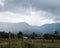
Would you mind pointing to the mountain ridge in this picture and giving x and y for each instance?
(28, 29)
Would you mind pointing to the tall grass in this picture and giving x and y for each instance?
(28, 44)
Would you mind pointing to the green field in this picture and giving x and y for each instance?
(29, 43)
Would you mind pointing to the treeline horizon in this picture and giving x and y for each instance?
(33, 35)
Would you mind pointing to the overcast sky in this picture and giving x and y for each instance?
(33, 12)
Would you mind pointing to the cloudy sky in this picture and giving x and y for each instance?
(33, 12)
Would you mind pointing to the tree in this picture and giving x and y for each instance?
(33, 35)
(56, 32)
(47, 36)
(56, 35)
(4, 35)
(20, 35)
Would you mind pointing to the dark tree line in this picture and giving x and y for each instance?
(5, 35)
(33, 35)
(11, 35)
(55, 35)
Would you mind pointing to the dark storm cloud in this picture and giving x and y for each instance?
(17, 3)
(22, 6)
(18, 6)
(46, 5)
(51, 6)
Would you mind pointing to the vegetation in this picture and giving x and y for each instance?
(33, 35)
(8, 40)
(20, 35)
(55, 36)
(28, 44)
(6, 35)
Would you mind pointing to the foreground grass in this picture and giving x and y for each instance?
(47, 45)
(29, 44)
(11, 44)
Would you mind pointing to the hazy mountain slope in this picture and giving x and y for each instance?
(27, 29)
(14, 27)
(49, 28)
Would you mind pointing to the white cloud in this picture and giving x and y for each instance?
(34, 18)
(38, 18)
(18, 8)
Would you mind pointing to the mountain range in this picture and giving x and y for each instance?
(28, 29)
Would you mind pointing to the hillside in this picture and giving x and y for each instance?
(27, 29)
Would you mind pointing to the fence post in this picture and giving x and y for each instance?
(9, 39)
(32, 41)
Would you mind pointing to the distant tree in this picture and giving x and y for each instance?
(11, 35)
(6, 35)
(20, 35)
(56, 32)
(47, 36)
(52, 36)
(33, 35)
(56, 35)
(59, 36)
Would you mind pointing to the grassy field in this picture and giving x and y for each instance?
(5, 43)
